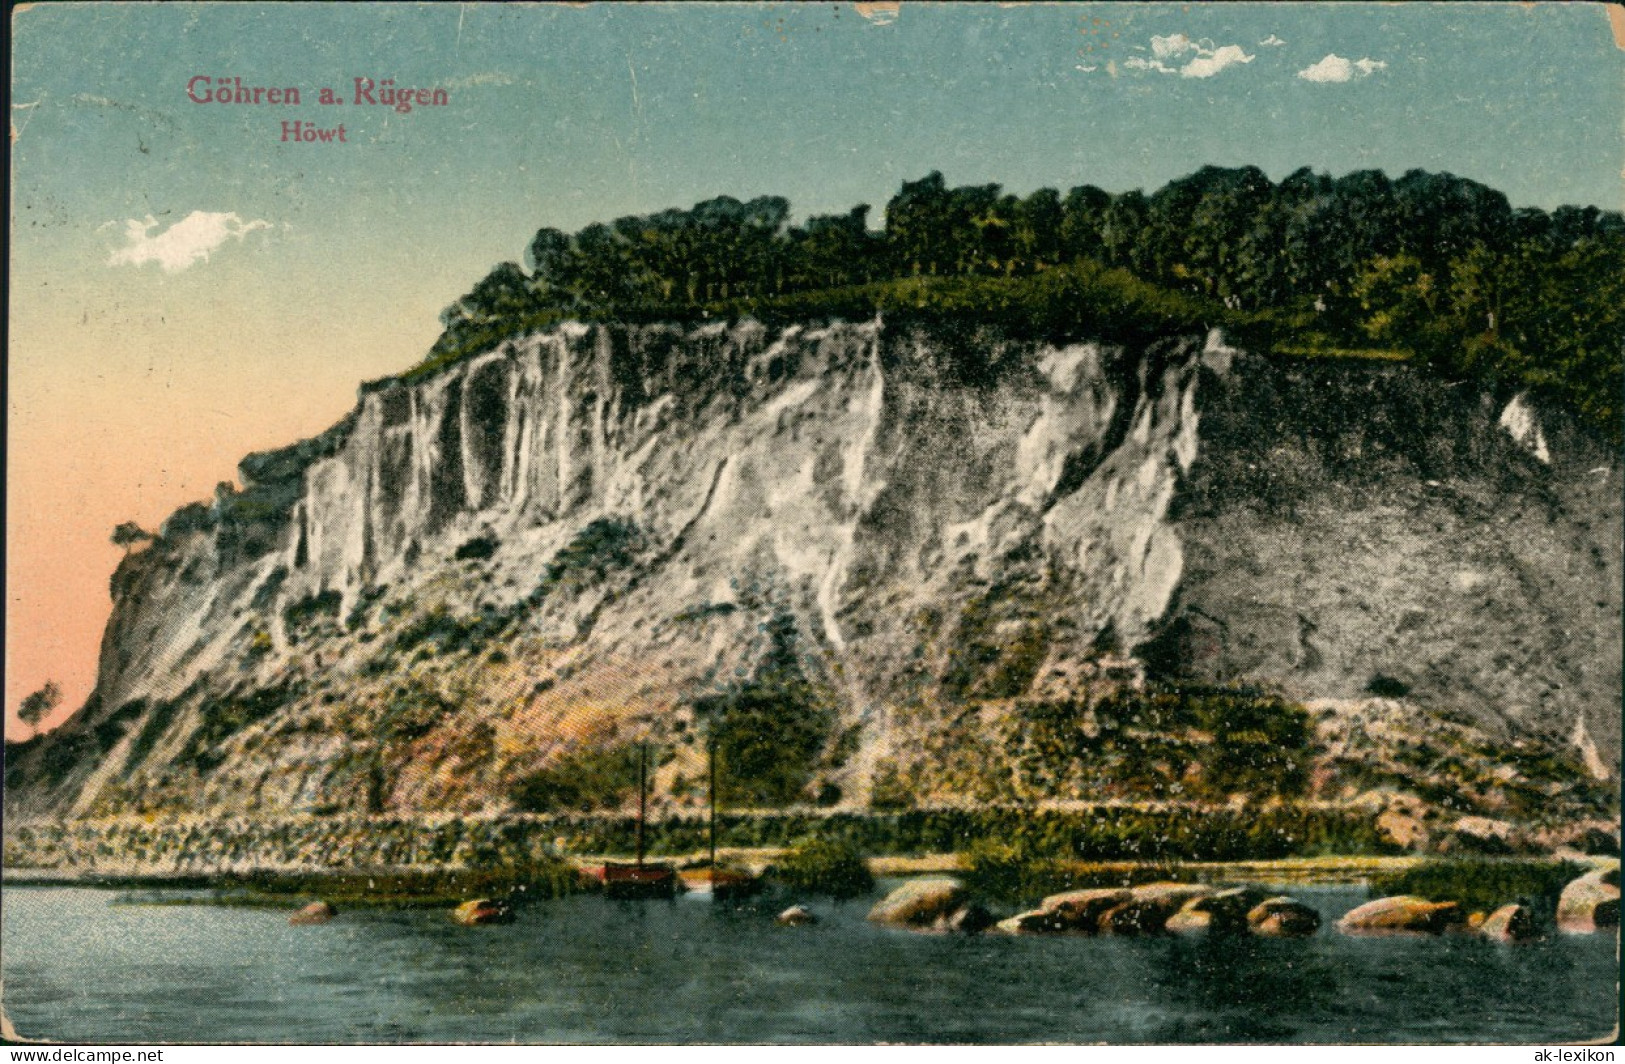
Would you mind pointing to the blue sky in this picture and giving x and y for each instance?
(568, 115)
(185, 287)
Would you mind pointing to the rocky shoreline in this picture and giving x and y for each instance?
(1587, 905)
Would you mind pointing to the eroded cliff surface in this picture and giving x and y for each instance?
(869, 536)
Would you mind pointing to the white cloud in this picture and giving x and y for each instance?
(1205, 66)
(187, 242)
(1336, 70)
(1171, 47)
(1272, 41)
(1206, 58)
(1135, 62)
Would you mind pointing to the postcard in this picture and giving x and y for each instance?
(844, 523)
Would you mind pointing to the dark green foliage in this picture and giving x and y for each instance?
(37, 706)
(1011, 875)
(413, 711)
(1483, 884)
(824, 866)
(701, 612)
(226, 716)
(767, 735)
(110, 731)
(1101, 833)
(604, 546)
(363, 602)
(581, 781)
(312, 608)
(1190, 743)
(998, 647)
(479, 548)
(127, 534)
(158, 721)
(1387, 687)
(448, 633)
(1430, 264)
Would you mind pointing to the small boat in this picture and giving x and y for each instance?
(641, 880)
(722, 882)
(635, 882)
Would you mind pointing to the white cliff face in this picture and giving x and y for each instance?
(791, 456)
(840, 475)
(578, 537)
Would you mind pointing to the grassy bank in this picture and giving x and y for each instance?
(1097, 833)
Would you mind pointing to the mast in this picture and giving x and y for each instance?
(711, 758)
(643, 794)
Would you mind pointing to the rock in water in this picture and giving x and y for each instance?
(1509, 923)
(1078, 910)
(920, 903)
(1223, 912)
(1590, 903)
(1283, 917)
(1032, 922)
(1402, 914)
(1149, 908)
(483, 911)
(1190, 922)
(317, 912)
(795, 916)
(971, 919)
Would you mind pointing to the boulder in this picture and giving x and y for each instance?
(1033, 922)
(920, 903)
(483, 911)
(1226, 910)
(1402, 914)
(1193, 922)
(1149, 908)
(1590, 903)
(317, 912)
(1283, 917)
(795, 916)
(1509, 923)
(971, 919)
(1081, 910)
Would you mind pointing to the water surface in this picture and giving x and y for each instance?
(79, 967)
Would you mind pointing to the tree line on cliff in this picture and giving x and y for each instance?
(1429, 265)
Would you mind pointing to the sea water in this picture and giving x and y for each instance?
(84, 965)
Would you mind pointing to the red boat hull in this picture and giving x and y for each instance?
(632, 881)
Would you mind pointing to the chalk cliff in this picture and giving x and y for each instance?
(599, 533)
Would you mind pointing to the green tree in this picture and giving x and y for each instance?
(1400, 301)
(37, 706)
(128, 534)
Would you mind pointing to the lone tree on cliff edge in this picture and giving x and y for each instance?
(37, 706)
(129, 534)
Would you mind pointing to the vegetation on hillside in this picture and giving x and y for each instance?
(1427, 265)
